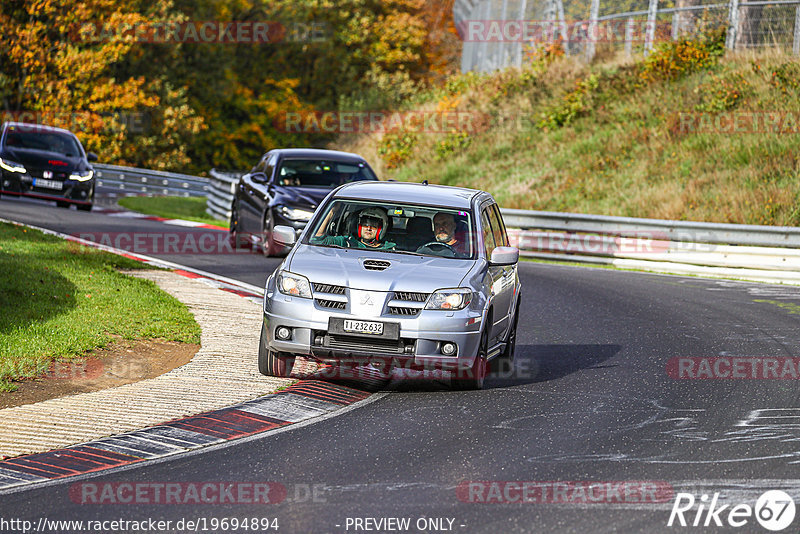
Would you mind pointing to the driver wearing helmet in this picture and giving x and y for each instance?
(373, 223)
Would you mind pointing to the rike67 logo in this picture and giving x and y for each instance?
(774, 510)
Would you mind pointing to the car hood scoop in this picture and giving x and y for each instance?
(377, 271)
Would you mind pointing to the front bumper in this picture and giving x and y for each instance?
(419, 344)
(12, 183)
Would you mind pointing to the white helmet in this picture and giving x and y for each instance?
(376, 213)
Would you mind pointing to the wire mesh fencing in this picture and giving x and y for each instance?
(500, 33)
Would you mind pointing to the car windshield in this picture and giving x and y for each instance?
(320, 173)
(42, 140)
(398, 228)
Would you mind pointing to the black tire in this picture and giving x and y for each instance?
(85, 207)
(235, 237)
(62, 204)
(267, 243)
(271, 363)
(473, 377)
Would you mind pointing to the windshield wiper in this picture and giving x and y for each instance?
(407, 252)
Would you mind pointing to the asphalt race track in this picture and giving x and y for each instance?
(591, 399)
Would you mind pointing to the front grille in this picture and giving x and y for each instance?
(363, 344)
(329, 288)
(332, 304)
(411, 297)
(376, 265)
(399, 310)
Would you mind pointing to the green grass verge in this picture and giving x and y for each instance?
(608, 138)
(59, 300)
(186, 208)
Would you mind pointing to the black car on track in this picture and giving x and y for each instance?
(46, 162)
(285, 188)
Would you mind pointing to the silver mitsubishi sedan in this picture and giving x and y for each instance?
(394, 274)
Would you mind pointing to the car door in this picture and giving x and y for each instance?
(510, 272)
(499, 292)
(251, 206)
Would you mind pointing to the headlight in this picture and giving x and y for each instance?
(449, 299)
(295, 214)
(11, 166)
(294, 285)
(82, 176)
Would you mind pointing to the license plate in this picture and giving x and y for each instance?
(49, 184)
(363, 327)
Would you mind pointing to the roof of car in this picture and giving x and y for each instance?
(410, 192)
(318, 153)
(34, 126)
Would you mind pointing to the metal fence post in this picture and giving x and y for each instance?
(483, 47)
(522, 8)
(590, 42)
(502, 47)
(796, 41)
(652, 13)
(562, 25)
(733, 25)
(676, 24)
(629, 36)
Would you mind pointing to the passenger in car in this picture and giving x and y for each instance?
(444, 229)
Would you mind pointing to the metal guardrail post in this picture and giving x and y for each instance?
(796, 40)
(592, 37)
(733, 25)
(652, 13)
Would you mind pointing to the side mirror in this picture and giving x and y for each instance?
(284, 235)
(504, 256)
(259, 177)
(91, 156)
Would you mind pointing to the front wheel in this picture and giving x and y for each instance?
(62, 204)
(270, 362)
(235, 229)
(473, 377)
(85, 207)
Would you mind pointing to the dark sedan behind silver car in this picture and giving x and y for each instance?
(419, 276)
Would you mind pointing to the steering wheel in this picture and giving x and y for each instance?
(444, 246)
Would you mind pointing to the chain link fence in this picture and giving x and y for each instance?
(500, 33)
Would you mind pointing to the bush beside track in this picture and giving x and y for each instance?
(59, 299)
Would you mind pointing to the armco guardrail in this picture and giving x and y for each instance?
(764, 253)
(220, 195)
(147, 181)
(699, 232)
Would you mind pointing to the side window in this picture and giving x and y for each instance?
(499, 229)
(270, 167)
(488, 235)
(261, 164)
